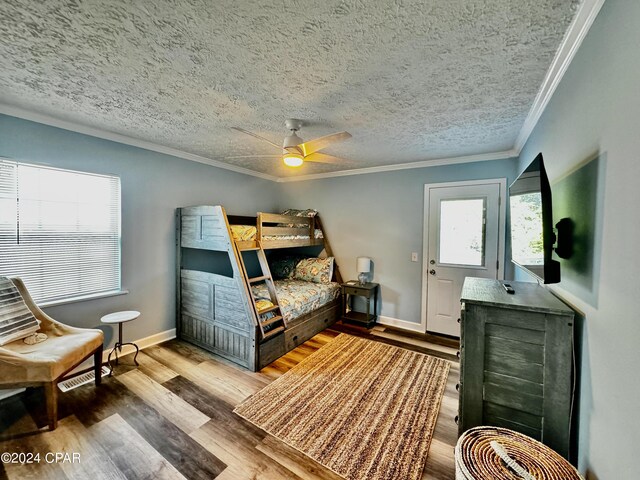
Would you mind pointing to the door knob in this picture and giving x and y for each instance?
(432, 262)
(432, 272)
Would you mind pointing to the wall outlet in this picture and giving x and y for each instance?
(414, 256)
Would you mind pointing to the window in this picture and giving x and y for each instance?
(462, 231)
(59, 230)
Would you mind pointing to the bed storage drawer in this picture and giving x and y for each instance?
(308, 327)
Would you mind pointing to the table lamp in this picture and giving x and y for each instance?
(363, 267)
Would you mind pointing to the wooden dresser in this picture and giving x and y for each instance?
(516, 361)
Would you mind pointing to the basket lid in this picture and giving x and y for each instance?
(495, 453)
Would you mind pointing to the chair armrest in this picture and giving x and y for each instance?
(45, 319)
(47, 324)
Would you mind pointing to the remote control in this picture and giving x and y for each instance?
(508, 288)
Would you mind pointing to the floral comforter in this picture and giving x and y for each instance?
(297, 297)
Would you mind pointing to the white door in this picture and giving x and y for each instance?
(464, 232)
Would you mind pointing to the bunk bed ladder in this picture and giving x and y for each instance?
(270, 320)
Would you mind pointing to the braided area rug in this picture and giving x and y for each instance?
(363, 409)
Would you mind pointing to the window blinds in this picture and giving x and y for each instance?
(59, 230)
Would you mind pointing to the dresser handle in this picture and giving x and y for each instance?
(458, 320)
(457, 387)
(456, 419)
(458, 354)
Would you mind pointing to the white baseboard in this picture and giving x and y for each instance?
(143, 343)
(127, 349)
(396, 322)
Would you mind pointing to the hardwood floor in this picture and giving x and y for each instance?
(173, 418)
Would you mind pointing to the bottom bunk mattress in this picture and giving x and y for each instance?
(297, 297)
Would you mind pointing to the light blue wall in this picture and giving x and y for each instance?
(153, 185)
(594, 116)
(380, 215)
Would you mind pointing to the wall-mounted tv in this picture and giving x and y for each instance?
(532, 234)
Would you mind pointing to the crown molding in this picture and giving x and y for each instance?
(587, 12)
(134, 142)
(116, 137)
(482, 157)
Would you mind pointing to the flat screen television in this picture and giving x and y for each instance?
(532, 233)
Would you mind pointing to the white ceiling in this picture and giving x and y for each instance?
(411, 80)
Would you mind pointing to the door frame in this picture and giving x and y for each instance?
(502, 209)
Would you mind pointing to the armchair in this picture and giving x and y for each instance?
(45, 363)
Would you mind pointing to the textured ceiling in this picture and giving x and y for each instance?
(411, 80)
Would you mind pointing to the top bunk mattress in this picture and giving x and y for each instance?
(297, 297)
(244, 233)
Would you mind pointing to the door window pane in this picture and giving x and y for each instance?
(462, 232)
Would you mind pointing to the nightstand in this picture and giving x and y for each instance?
(368, 290)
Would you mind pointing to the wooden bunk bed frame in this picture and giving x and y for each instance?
(270, 226)
(217, 311)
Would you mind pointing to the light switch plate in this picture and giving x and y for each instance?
(414, 256)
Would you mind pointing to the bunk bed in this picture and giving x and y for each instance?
(228, 301)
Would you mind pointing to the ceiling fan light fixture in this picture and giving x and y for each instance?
(293, 159)
(295, 151)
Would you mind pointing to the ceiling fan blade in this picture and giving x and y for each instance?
(313, 146)
(254, 156)
(279, 147)
(323, 158)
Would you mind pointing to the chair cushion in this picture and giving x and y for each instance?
(47, 361)
(16, 320)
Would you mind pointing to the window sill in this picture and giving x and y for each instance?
(95, 296)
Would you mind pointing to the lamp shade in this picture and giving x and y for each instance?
(363, 264)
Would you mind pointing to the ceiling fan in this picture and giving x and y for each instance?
(294, 150)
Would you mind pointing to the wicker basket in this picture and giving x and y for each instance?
(493, 453)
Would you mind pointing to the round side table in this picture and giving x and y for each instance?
(120, 318)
